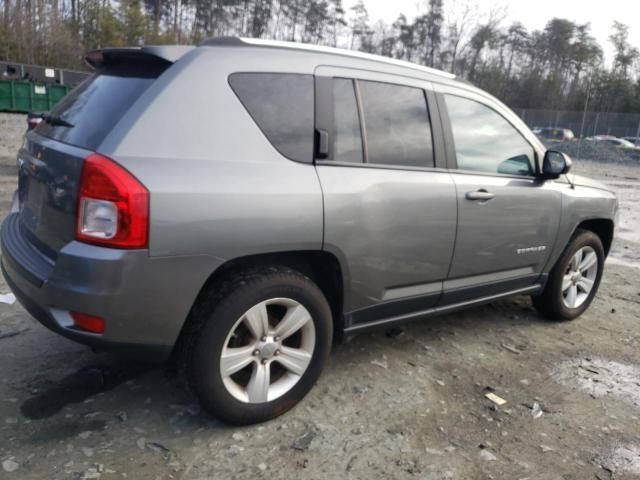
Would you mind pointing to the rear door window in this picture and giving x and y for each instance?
(282, 106)
(95, 106)
(397, 126)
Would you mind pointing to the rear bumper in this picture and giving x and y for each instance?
(144, 300)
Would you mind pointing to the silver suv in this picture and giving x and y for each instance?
(242, 204)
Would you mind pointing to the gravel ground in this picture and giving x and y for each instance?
(408, 403)
(12, 127)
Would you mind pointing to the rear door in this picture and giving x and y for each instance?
(390, 210)
(51, 160)
(507, 217)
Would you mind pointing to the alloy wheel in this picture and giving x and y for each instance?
(580, 277)
(268, 350)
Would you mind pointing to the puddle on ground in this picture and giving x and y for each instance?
(622, 459)
(624, 261)
(601, 378)
(607, 379)
(77, 387)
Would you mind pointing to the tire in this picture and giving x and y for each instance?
(231, 319)
(556, 303)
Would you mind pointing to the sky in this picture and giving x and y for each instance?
(533, 14)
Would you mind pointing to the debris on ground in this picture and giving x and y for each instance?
(495, 398)
(511, 348)
(10, 466)
(159, 448)
(536, 410)
(380, 363)
(303, 441)
(13, 333)
(358, 390)
(487, 455)
(8, 298)
(91, 474)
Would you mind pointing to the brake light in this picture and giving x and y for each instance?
(88, 323)
(33, 122)
(113, 206)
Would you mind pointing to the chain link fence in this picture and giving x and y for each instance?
(584, 124)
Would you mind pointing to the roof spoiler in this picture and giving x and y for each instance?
(162, 54)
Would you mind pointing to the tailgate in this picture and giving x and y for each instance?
(47, 190)
(50, 163)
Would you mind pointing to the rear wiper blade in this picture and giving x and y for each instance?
(56, 120)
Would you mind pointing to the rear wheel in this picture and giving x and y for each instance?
(574, 280)
(261, 347)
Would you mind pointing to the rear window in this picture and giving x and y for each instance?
(282, 106)
(96, 106)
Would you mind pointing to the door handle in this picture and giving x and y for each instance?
(323, 144)
(481, 194)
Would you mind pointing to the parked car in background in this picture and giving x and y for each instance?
(634, 140)
(558, 134)
(614, 141)
(320, 193)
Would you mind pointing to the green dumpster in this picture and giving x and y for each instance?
(18, 96)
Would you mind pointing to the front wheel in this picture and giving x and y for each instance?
(262, 346)
(574, 280)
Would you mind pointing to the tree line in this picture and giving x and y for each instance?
(556, 67)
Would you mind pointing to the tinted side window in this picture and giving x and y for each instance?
(282, 106)
(347, 138)
(485, 141)
(397, 125)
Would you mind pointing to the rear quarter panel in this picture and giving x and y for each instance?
(217, 186)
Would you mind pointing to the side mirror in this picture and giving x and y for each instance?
(555, 164)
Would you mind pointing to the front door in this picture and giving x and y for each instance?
(507, 219)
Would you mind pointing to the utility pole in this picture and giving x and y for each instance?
(584, 114)
(586, 107)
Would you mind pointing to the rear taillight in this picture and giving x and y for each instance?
(113, 206)
(33, 122)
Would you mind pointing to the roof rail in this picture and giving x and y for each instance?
(256, 42)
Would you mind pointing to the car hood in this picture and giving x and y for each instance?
(588, 182)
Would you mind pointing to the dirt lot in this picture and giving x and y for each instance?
(12, 127)
(406, 404)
